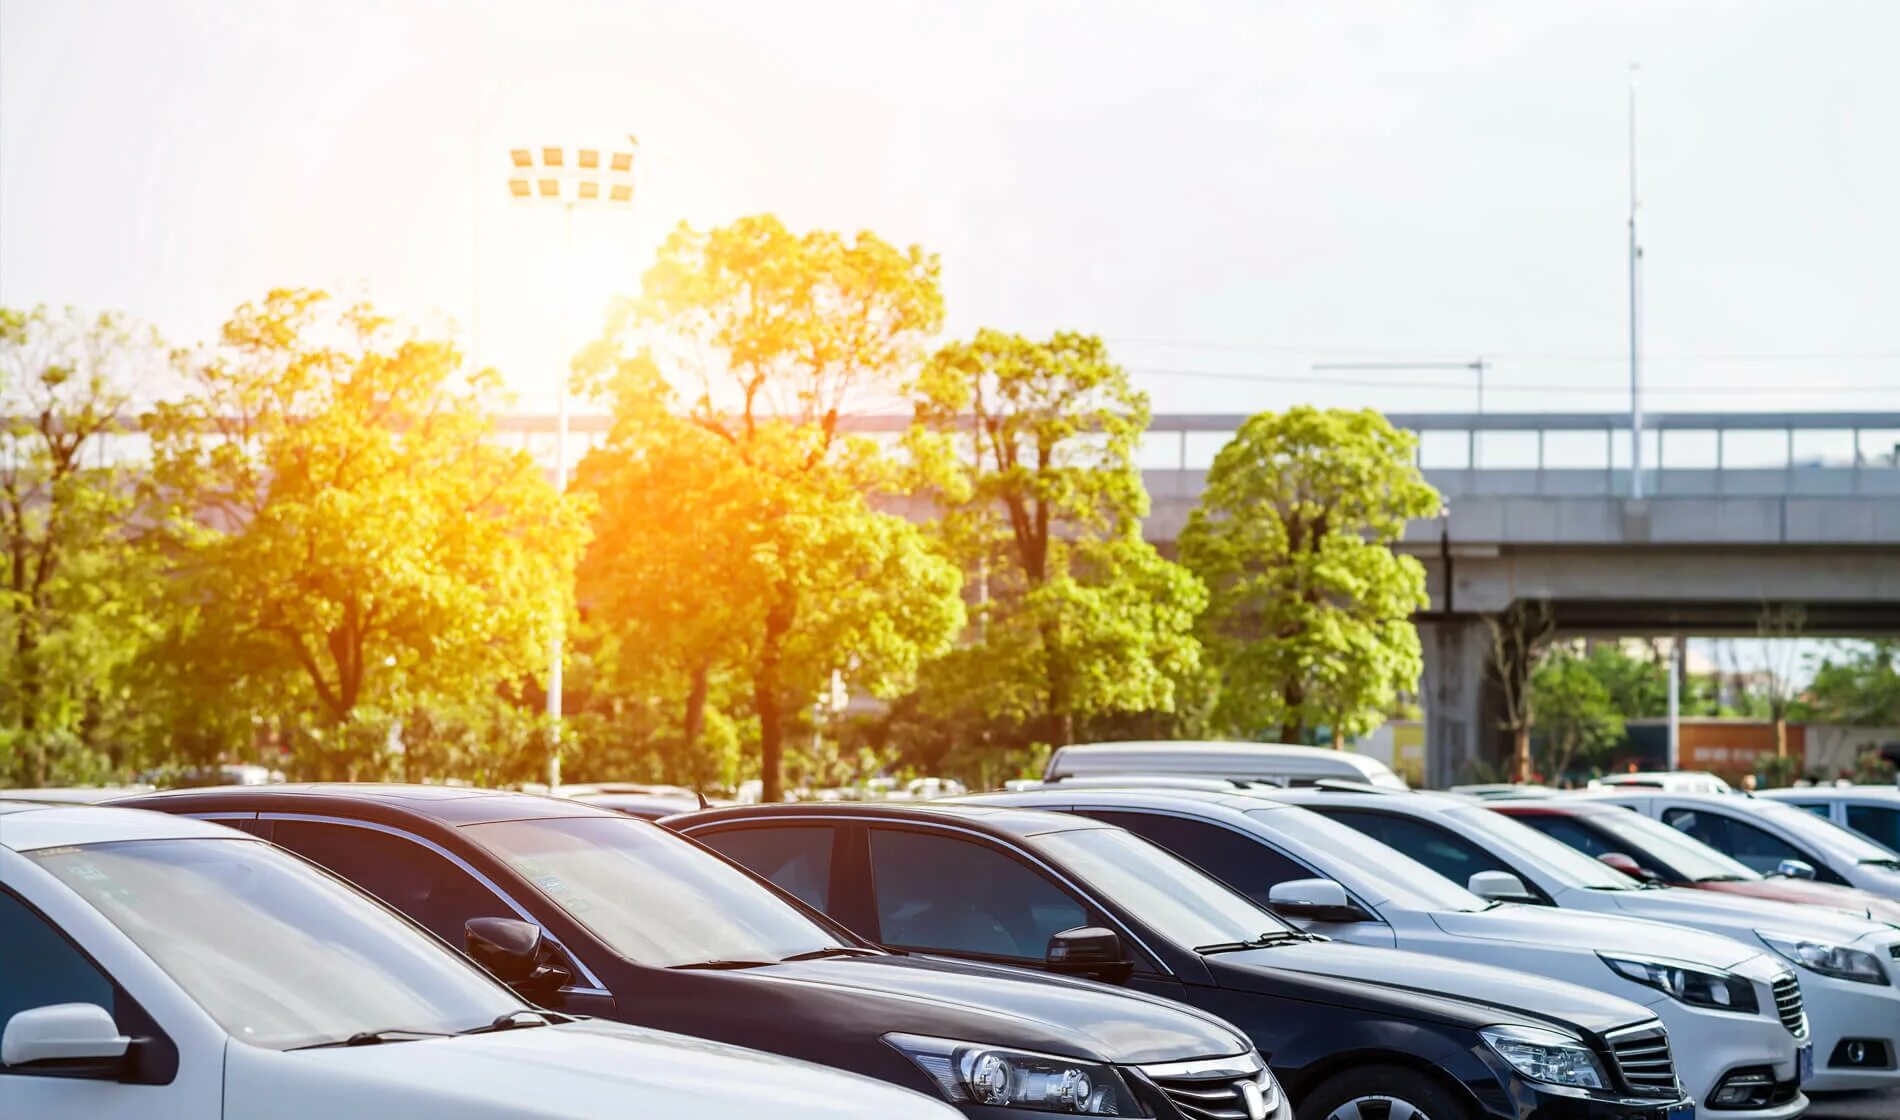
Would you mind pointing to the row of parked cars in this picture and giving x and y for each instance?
(1206, 945)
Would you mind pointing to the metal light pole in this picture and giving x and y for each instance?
(569, 178)
(1636, 259)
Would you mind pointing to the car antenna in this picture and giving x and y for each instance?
(703, 803)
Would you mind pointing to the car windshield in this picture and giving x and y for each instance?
(1524, 844)
(1851, 847)
(1172, 897)
(1695, 861)
(279, 953)
(653, 897)
(1364, 865)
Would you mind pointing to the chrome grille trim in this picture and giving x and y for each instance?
(1644, 1060)
(1788, 1005)
(1236, 1088)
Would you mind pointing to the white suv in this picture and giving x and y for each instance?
(154, 967)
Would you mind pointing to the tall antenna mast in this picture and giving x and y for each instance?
(1636, 368)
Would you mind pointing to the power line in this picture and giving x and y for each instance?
(1307, 379)
(1421, 354)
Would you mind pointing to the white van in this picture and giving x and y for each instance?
(1274, 763)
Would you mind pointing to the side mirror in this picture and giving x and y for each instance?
(1320, 900)
(1629, 866)
(1499, 886)
(1795, 869)
(79, 1036)
(515, 952)
(1089, 951)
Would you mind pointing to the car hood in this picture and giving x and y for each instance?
(1848, 900)
(576, 1069)
(1413, 985)
(1549, 928)
(999, 1005)
(1737, 917)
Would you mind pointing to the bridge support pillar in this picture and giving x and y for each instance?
(1452, 693)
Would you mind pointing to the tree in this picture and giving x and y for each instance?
(1575, 710)
(1520, 638)
(781, 335)
(1858, 684)
(1778, 626)
(1030, 447)
(344, 520)
(76, 588)
(1310, 614)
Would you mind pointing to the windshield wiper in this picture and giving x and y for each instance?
(1274, 937)
(374, 1038)
(1886, 864)
(1721, 879)
(513, 1021)
(725, 965)
(834, 951)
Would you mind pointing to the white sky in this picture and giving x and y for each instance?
(1263, 184)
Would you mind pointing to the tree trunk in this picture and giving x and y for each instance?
(766, 696)
(1292, 727)
(693, 720)
(1781, 733)
(1521, 753)
(1339, 736)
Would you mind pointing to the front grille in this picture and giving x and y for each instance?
(1643, 1058)
(1238, 1088)
(1788, 1005)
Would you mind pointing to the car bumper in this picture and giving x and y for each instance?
(1709, 1046)
(1843, 1013)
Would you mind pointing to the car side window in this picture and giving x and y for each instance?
(796, 859)
(1445, 852)
(1818, 808)
(1760, 851)
(409, 877)
(41, 967)
(1881, 825)
(1247, 865)
(948, 894)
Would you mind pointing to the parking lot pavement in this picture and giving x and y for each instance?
(1884, 1105)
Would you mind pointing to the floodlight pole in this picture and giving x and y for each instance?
(556, 641)
(1636, 263)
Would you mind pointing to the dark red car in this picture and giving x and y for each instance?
(1649, 849)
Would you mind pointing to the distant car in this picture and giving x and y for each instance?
(76, 795)
(1872, 811)
(1675, 781)
(157, 968)
(1270, 762)
(1352, 1032)
(1495, 791)
(1772, 836)
(646, 806)
(1648, 849)
(638, 923)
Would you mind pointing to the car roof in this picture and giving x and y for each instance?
(1417, 801)
(1132, 794)
(994, 819)
(453, 806)
(1574, 806)
(1845, 793)
(31, 825)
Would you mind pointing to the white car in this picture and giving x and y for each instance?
(1872, 811)
(1275, 763)
(155, 967)
(1771, 836)
(1329, 879)
(1675, 781)
(1847, 965)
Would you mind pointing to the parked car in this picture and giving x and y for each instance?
(1872, 811)
(1772, 836)
(1675, 781)
(1349, 1031)
(1270, 762)
(158, 968)
(1496, 791)
(639, 924)
(646, 802)
(1845, 964)
(1647, 849)
(1327, 878)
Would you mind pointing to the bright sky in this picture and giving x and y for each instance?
(1239, 188)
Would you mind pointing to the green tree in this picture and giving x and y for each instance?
(779, 336)
(1030, 446)
(1310, 617)
(350, 538)
(1856, 683)
(77, 589)
(1575, 711)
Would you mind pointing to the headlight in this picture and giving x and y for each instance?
(1545, 1056)
(1829, 960)
(1699, 987)
(1005, 1078)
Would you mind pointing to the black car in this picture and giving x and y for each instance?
(1352, 1033)
(593, 912)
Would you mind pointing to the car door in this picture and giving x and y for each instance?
(959, 894)
(437, 891)
(1433, 845)
(1879, 823)
(1246, 863)
(806, 860)
(1749, 844)
(42, 964)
